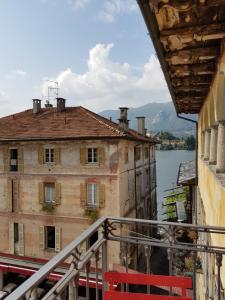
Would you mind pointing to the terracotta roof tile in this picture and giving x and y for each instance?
(73, 123)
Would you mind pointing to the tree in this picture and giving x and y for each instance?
(190, 142)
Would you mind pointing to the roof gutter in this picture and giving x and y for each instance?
(152, 26)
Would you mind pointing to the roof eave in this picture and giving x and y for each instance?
(152, 26)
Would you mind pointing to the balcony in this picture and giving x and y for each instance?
(134, 259)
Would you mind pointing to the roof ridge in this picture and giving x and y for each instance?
(92, 114)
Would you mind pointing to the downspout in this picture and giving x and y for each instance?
(196, 182)
(196, 157)
(135, 191)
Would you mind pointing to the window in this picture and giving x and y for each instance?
(92, 155)
(16, 232)
(146, 153)
(92, 194)
(13, 160)
(50, 237)
(126, 155)
(138, 153)
(50, 155)
(49, 193)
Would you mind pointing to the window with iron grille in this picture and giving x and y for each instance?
(50, 155)
(92, 194)
(92, 155)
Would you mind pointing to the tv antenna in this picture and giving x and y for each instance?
(53, 90)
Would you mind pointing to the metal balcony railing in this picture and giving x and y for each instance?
(132, 246)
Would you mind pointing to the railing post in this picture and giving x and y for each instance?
(219, 258)
(104, 257)
(71, 290)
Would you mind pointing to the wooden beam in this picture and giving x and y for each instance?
(192, 81)
(192, 93)
(206, 32)
(189, 88)
(178, 38)
(192, 70)
(191, 56)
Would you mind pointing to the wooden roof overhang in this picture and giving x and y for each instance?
(187, 37)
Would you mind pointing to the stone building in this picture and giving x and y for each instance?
(60, 169)
(189, 40)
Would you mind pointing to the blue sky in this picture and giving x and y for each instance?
(98, 51)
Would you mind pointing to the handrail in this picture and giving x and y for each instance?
(46, 269)
(111, 231)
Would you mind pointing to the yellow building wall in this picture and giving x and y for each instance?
(211, 185)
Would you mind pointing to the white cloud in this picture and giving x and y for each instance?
(15, 74)
(78, 3)
(20, 73)
(108, 84)
(112, 8)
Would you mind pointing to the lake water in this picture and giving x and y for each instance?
(167, 166)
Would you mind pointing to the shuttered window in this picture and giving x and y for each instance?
(92, 155)
(50, 193)
(92, 194)
(50, 238)
(50, 155)
(16, 238)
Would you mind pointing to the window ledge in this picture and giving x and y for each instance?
(92, 207)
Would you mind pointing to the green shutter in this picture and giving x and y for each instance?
(57, 193)
(83, 194)
(20, 159)
(57, 156)
(42, 237)
(41, 154)
(82, 156)
(57, 239)
(21, 239)
(41, 193)
(101, 195)
(11, 238)
(101, 155)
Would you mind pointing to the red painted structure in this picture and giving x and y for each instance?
(114, 279)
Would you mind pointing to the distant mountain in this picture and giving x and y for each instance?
(159, 117)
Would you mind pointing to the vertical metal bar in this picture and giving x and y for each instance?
(126, 258)
(76, 283)
(148, 270)
(96, 275)
(87, 281)
(169, 252)
(219, 258)
(194, 256)
(104, 267)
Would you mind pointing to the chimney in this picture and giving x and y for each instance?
(123, 122)
(36, 106)
(61, 104)
(141, 125)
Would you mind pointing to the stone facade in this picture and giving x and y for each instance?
(29, 218)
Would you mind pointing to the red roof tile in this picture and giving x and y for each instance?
(73, 123)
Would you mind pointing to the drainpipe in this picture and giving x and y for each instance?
(135, 188)
(196, 181)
